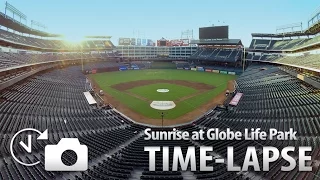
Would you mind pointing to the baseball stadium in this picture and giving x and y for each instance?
(105, 91)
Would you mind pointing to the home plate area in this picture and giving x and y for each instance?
(162, 105)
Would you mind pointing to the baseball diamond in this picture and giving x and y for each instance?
(193, 92)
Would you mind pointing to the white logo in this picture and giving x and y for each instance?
(28, 148)
(53, 154)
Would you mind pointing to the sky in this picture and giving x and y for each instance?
(166, 18)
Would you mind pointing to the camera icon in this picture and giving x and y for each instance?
(53, 155)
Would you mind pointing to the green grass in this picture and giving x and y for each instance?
(106, 80)
(175, 91)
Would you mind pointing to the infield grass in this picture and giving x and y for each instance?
(106, 80)
(175, 91)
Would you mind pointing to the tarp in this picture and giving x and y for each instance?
(235, 100)
(89, 98)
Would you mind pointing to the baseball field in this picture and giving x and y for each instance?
(133, 91)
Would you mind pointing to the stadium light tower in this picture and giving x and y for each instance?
(187, 34)
(14, 11)
(38, 24)
(293, 27)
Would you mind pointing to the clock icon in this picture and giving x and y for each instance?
(43, 136)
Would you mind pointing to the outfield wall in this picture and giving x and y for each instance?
(210, 70)
(164, 65)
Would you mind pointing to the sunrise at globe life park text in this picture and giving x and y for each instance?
(269, 154)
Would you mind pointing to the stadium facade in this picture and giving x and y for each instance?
(150, 52)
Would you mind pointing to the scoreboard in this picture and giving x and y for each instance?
(179, 42)
(215, 32)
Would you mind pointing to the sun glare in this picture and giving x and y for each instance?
(73, 39)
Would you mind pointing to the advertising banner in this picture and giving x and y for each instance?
(215, 71)
(193, 69)
(200, 68)
(143, 42)
(124, 41)
(208, 70)
(176, 42)
(186, 68)
(185, 42)
(133, 41)
(223, 72)
(232, 73)
(150, 42)
(123, 68)
(138, 42)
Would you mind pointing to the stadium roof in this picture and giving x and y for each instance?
(13, 24)
(281, 35)
(315, 28)
(217, 42)
(98, 37)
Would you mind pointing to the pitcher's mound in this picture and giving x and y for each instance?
(162, 90)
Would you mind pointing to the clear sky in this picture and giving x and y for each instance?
(155, 19)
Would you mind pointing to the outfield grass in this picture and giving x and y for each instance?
(106, 80)
(175, 91)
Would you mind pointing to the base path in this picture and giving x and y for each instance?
(190, 116)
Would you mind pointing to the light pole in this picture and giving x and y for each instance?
(162, 115)
(244, 58)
